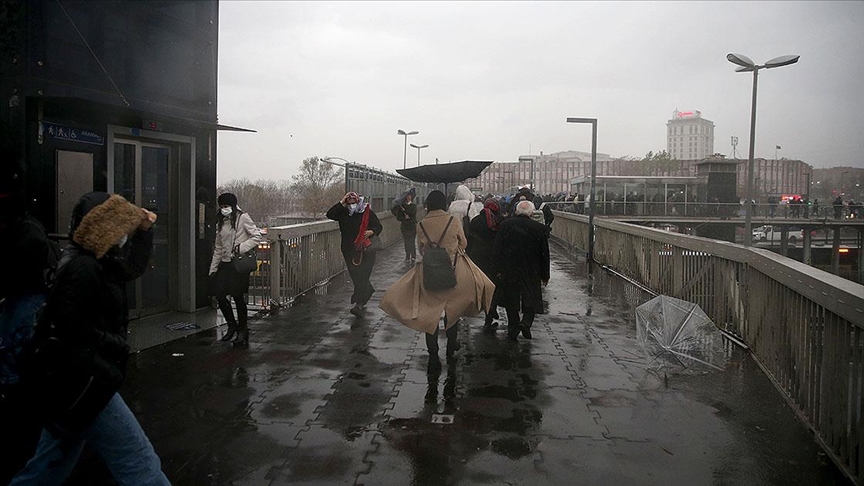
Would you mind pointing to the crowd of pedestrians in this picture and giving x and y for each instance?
(64, 320)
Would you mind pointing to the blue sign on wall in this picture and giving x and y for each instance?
(68, 133)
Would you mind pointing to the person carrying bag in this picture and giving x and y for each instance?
(413, 300)
(438, 273)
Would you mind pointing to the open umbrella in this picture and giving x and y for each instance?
(401, 199)
(677, 335)
(446, 173)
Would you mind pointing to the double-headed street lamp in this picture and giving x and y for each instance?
(418, 147)
(593, 122)
(746, 66)
(405, 154)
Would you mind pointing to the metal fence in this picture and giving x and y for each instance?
(709, 210)
(298, 258)
(382, 187)
(804, 326)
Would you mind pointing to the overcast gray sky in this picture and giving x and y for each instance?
(488, 80)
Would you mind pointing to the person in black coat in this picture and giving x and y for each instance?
(31, 259)
(521, 256)
(406, 213)
(350, 213)
(481, 241)
(80, 351)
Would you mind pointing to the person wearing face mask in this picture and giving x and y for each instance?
(237, 235)
(357, 223)
(79, 354)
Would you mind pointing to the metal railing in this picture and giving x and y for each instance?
(306, 256)
(804, 326)
(708, 210)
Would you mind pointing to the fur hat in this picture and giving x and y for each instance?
(99, 220)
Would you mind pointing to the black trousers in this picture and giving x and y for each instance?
(360, 274)
(432, 339)
(227, 282)
(513, 321)
(410, 245)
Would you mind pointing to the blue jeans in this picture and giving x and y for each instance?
(17, 321)
(115, 435)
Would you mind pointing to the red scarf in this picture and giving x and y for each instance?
(492, 216)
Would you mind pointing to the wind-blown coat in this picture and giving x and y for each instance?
(415, 307)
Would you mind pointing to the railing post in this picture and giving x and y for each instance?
(276, 271)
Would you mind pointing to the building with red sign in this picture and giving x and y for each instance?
(689, 136)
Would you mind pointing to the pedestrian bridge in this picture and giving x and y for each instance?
(321, 397)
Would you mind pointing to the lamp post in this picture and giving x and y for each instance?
(746, 66)
(327, 160)
(593, 122)
(418, 147)
(405, 134)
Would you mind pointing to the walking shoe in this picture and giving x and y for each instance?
(357, 310)
(242, 339)
(526, 331)
(513, 335)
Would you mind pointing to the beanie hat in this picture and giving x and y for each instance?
(436, 200)
(226, 198)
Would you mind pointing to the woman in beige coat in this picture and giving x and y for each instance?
(417, 308)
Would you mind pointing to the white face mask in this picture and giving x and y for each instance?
(226, 211)
(122, 241)
(409, 202)
(352, 207)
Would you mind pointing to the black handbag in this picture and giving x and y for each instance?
(438, 272)
(245, 262)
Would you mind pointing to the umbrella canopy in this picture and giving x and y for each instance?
(446, 173)
(401, 199)
(676, 334)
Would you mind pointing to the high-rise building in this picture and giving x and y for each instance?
(689, 136)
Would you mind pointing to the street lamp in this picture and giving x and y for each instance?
(593, 122)
(327, 160)
(418, 147)
(405, 154)
(748, 65)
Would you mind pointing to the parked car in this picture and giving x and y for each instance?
(774, 233)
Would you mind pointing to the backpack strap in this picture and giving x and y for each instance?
(444, 233)
(425, 233)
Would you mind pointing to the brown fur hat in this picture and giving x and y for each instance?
(104, 224)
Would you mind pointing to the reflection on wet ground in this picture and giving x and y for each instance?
(321, 398)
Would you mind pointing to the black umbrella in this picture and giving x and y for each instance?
(446, 173)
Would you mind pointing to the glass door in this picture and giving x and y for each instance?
(142, 175)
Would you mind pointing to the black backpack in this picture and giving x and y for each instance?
(438, 273)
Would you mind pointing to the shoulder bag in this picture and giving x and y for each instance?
(244, 262)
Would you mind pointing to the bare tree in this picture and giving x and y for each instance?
(316, 187)
(261, 199)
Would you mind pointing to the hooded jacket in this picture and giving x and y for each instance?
(461, 206)
(87, 309)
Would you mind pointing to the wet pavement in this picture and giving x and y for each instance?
(321, 397)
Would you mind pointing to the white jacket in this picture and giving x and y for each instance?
(247, 235)
(461, 206)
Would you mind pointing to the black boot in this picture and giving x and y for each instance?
(232, 331)
(242, 339)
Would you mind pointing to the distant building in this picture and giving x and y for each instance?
(548, 174)
(775, 178)
(689, 136)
